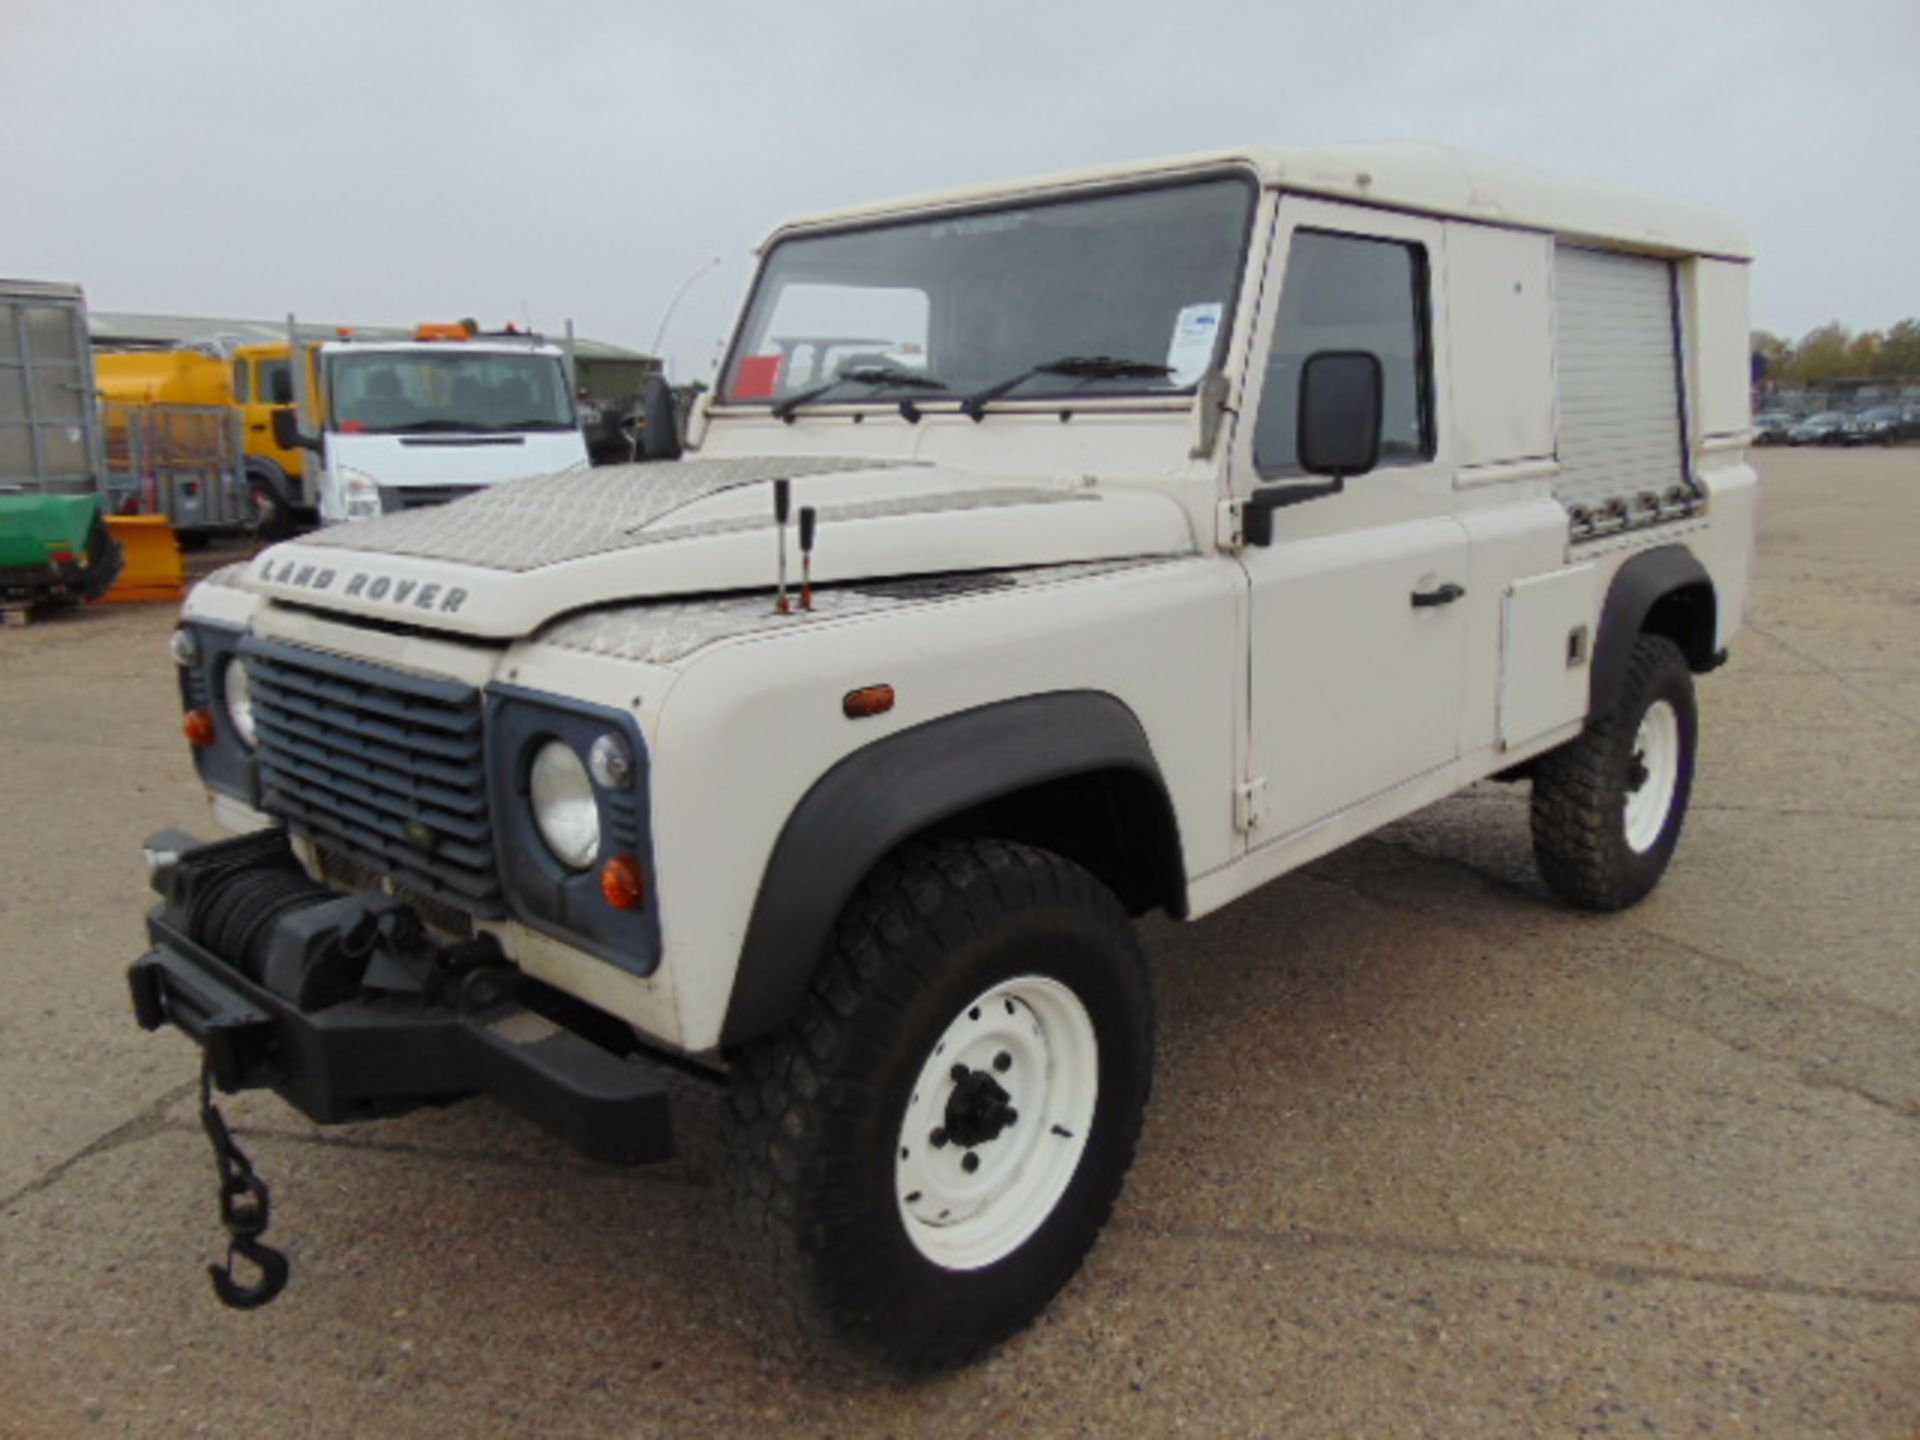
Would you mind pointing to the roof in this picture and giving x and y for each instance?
(488, 344)
(38, 289)
(1432, 179)
(110, 328)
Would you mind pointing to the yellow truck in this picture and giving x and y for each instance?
(190, 387)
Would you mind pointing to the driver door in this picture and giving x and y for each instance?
(1358, 653)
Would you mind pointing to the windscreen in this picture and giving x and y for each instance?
(395, 391)
(966, 301)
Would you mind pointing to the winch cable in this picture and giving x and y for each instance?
(244, 1209)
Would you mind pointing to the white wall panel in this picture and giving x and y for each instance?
(1502, 339)
(1722, 347)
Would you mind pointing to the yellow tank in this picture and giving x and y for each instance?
(163, 377)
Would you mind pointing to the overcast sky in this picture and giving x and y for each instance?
(391, 160)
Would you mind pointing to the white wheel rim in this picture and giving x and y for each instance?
(1654, 775)
(1026, 1045)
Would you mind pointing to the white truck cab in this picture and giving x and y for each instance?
(1048, 554)
(404, 424)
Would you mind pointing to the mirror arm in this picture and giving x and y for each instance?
(660, 420)
(287, 431)
(1258, 523)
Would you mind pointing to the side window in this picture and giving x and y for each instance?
(276, 382)
(242, 382)
(1346, 293)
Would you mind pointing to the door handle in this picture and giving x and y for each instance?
(257, 426)
(1445, 595)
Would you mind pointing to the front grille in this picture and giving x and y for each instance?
(343, 872)
(386, 768)
(437, 914)
(419, 497)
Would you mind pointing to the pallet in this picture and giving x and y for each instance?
(18, 609)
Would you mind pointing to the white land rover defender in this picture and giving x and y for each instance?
(1048, 554)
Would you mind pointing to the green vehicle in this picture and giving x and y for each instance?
(54, 551)
(55, 547)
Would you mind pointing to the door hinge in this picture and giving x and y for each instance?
(1250, 804)
(1230, 525)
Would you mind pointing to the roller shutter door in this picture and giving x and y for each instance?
(1618, 373)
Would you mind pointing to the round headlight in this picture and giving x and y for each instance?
(185, 647)
(239, 697)
(564, 810)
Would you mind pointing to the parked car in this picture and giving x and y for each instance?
(1771, 427)
(1903, 419)
(1826, 428)
(1878, 426)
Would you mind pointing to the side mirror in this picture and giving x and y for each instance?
(660, 419)
(1341, 400)
(1337, 434)
(287, 433)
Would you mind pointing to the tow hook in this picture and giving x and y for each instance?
(244, 1209)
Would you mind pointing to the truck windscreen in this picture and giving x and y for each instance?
(1147, 276)
(394, 391)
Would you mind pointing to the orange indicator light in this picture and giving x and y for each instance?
(622, 883)
(867, 700)
(198, 726)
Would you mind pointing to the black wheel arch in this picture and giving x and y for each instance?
(269, 473)
(1068, 771)
(1665, 591)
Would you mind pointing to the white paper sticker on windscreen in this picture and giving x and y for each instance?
(1190, 351)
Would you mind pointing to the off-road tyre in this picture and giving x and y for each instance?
(819, 1111)
(1593, 849)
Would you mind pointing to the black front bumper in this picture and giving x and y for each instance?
(378, 1044)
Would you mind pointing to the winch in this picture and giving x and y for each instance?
(349, 1008)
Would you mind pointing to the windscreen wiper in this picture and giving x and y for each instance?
(871, 375)
(1074, 367)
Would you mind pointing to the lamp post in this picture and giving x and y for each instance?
(674, 304)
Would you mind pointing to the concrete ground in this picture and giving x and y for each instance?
(1430, 1155)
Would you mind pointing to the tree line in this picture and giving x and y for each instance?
(1833, 352)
